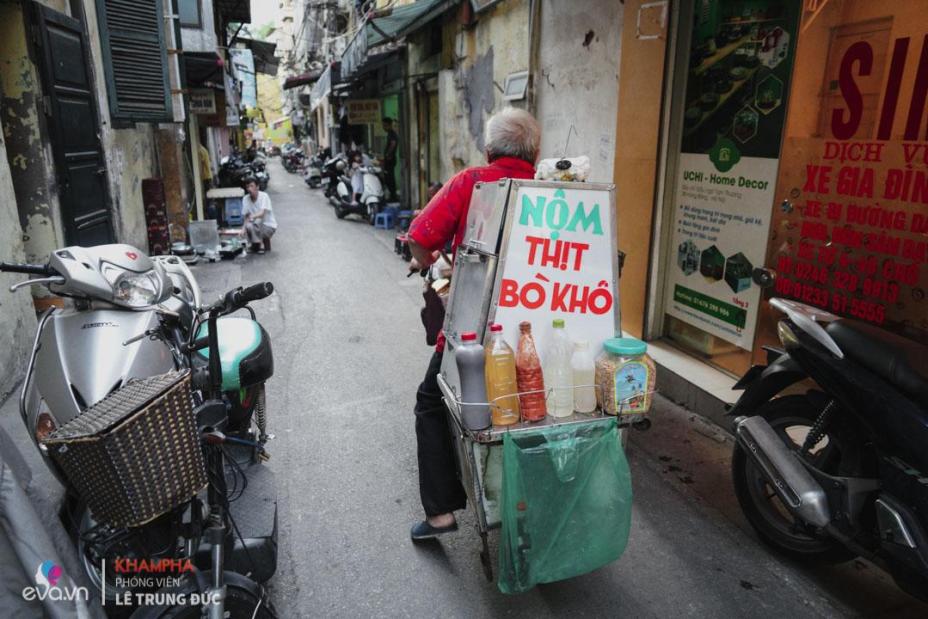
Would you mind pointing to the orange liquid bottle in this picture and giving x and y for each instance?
(529, 376)
(502, 386)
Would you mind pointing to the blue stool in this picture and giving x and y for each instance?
(384, 220)
(233, 212)
(402, 219)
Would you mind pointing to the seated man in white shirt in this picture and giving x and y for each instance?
(260, 223)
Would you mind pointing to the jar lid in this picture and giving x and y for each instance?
(626, 346)
(558, 323)
(469, 336)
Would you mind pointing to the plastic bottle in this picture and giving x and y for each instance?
(475, 414)
(584, 373)
(501, 381)
(529, 376)
(558, 372)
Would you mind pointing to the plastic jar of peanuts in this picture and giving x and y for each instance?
(625, 375)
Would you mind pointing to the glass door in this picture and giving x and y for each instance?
(732, 101)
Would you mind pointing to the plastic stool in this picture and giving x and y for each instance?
(403, 218)
(383, 221)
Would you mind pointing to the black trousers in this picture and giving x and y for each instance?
(389, 178)
(439, 486)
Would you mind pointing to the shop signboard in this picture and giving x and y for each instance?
(726, 172)
(559, 261)
(202, 101)
(244, 64)
(852, 237)
(363, 111)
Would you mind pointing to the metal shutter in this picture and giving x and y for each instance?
(135, 59)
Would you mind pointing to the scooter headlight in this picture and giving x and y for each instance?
(137, 289)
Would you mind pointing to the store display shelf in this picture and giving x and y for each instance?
(721, 54)
(736, 86)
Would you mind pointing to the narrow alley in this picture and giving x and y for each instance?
(349, 353)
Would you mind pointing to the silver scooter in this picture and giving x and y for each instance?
(91, 348)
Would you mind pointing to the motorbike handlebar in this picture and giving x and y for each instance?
(29, 269)
(241, 297)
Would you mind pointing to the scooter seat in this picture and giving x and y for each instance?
(894, 358)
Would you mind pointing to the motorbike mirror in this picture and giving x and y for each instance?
(764, 277)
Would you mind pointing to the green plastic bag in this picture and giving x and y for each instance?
(566, 504)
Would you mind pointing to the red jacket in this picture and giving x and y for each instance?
(445, 216)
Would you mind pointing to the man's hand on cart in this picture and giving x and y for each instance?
(415, 265)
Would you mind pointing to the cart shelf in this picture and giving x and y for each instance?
(495, 434)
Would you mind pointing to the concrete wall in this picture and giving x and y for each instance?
(17, 318)
(576, 80)
(202, 39)
(27, 150)
(482, 57)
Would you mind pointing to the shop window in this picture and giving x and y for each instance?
(189, 13)
(135, 60)
(732, 110)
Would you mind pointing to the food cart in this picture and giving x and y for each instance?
(532, 250)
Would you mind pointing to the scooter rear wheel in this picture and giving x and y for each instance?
(791, 417)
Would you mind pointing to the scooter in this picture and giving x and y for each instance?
(332, 169)
(129, 316)
(312, 171)
(838, 469)
(293, 161)
(371, 200)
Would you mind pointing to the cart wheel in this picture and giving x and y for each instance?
(485, 558)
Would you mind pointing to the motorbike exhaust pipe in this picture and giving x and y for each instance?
(798, 490)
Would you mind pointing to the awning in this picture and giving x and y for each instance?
(202, 69)
(263, 52)
(323, 87)
(389, 25)
(303, 79)
(234, 10)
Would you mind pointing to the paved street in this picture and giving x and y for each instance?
(350, 350)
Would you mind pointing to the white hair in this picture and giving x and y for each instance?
(512, 132)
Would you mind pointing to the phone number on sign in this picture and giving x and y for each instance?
(833, 301)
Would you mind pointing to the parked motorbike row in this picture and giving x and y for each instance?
(353, 183)
(235, 168)
(130, 317)
(830, 461)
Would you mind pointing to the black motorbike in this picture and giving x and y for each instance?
(293, 161)
(332, 169)
(233, 170)
(831, 460)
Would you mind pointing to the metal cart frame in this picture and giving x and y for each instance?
(465, 442)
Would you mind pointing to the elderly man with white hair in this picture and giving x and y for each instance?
(512, 141)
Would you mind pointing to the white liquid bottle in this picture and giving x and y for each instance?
(584, 374)
(558, 373)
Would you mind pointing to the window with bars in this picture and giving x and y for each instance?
(135, 60)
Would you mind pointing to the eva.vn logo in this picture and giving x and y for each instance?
(48, 576)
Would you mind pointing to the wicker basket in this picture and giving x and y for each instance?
(135, 454)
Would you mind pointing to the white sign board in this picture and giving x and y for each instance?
(560, 261)
(719, 235)
(202, 101)
(363, 111)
